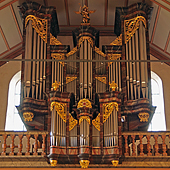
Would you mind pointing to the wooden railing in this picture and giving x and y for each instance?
(23, 143)
(146, 143)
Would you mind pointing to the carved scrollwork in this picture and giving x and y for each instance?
(61, 109)
(74, 50)
(107, 109)
(28, 116)
(102, 79)
(96, 122)
(89, 39)
(117, 41)
(98, 51)
(40, 26)
(143, 117)
(84, 117)
(113, 57)
(84, 103)
(70, 79)
(58, 56)
(72, 122)
(131, 25)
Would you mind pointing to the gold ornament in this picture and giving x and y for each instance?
(113, 57)
(115, 162)
(89, 39)
(53, 162)
(61, 109)
(28, 116)
(131, 25)
(40, 26)
(56, 85)
(84, 11)
(74, 50)
(102, 79)
(113, 85)
(84, 117)
(143, 117)
(107, 109)
(58, 56)
(70, 79)
(84, 103)
(117, 41)
(84, 163)
(96, 122)
(72, 122)
(99, 52)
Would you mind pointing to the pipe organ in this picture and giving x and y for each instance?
(85, 97)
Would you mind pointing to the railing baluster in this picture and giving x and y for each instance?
(35, 145)
(164, 145)
(156, 145)
(141, 145)
(12, 145)
(148, 145)
(4, 145)
(20, 145)
(126, 145)
(133, 145)
(28, 145)
(43, 145)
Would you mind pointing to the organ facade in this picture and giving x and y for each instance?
(85, 97)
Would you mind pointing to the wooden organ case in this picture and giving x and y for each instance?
(87, 100)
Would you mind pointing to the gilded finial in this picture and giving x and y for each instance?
(115, 162)
(84, 163)
(84, 11)
(53, 162)
(113, 85)
(56, 85)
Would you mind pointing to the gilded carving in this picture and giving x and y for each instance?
(84, 11)
(115, 162)
(40, 26)
(74, 50)
(58, 56)
(96, 122)
(107, 109)
(143, 117)
(56, 85)
(102, 79)
(113, 85)
(84, 117)
(98, 51)
(131, 25)
(70, 79)
(113, 57)
(28, 116)
(89, 39)
(72, 122)
(61, 109)
(84, 103)
(53, 162)
(117, 41)
(84, 163)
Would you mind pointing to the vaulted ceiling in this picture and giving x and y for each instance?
(103, 19)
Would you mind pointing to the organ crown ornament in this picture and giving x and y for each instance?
(85, 14)
(113, 85)
(56, 85)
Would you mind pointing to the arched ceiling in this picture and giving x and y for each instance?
(102, 19)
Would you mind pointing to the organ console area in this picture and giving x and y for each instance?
(85, 96)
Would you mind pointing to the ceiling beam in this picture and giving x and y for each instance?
(4, 38)
(126, 3)
(45, 2)
(12, 55)
(155, 24)
(86, 2)
(160, 5)
(106, 12)
(67, 13)
(166, 2)
(158, 55)
(4, 6)
(16, 21)
(167, 42)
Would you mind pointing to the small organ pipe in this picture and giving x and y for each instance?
(127, 72)
(85, 68)
(44, 70)
(41, 69)
(37, 70)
